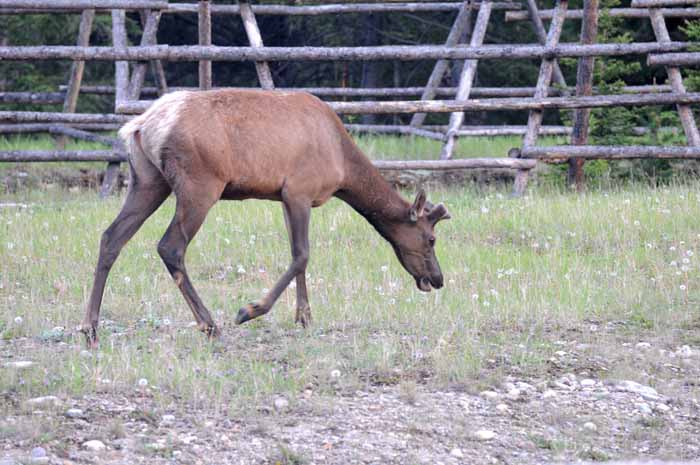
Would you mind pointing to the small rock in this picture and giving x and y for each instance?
(456, 452)
(549, 393)
(42, 402)
(85, 354)
(514, 394)
(686, 352)
(484, 435)
(491, 395)
(643, 345)
(644, 408)
(74, 413)
(523, 386)
(281, 404)
(167, 418)
(20, 365)
(308, 393)
(39, 456)
(587, 382)
(647, 392)
(142, 382)
(503, 408)
(95, 445)
(335, 374)
(663, 408)
(590, 426)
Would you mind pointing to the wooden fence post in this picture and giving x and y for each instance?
(77, 69)
(255, 39)
(204, 17)
(534, 120)
(584, 86)
(676, 79)
(138, 74)
(466, 79)
(458, 28)
(541, 34)
(121, 84)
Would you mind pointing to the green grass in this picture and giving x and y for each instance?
(518, 273)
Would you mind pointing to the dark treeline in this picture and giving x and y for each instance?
(327, 30)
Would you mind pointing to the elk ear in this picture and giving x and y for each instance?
(437, 213)
(418, 206)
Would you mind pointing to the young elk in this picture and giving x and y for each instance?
(235, 145)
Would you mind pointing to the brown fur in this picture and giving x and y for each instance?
(235, 145)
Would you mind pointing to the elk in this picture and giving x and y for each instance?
(249, 144)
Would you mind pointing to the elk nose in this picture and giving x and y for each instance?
(437, 281)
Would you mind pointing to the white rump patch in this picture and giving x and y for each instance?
(155, 125)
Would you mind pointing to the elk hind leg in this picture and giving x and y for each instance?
(147, 191)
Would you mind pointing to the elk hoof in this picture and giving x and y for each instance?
(212, 332)
(248, 312)
(303, 316)
(91, 339)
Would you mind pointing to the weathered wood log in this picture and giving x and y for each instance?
(386, 52)
(204, 28)
(56, 117)
(330, 9)
(109, 181)
(458, 29)
(255, 40)
(674, 59)
(138, 74)
(676, 80)
(396, 92)
(541, 34)
(614, 12)
(80, 5)
(75, 79)
(82, 135)
(584, 87)
(466, 79)
(544, 79)
(464, 163)
(33, 128)
(60, 155)
(662, 3)
(494, 104)
(605, 152)
(121, 68)
(36, 98)
(438, 130)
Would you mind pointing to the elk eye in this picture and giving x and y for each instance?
(431, 241)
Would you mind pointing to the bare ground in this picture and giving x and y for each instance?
(580, 406)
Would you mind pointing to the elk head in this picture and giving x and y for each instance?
(414, 242)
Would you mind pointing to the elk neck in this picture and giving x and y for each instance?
(366, 191)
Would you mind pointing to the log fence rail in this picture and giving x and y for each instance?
(550, 92)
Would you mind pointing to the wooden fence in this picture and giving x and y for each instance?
(550, 92)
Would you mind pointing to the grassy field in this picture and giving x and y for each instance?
(554, 284)
(518, 272)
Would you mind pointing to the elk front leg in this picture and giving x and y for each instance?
(299, 213)
(303, 311)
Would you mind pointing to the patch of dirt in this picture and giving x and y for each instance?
(634, 400)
